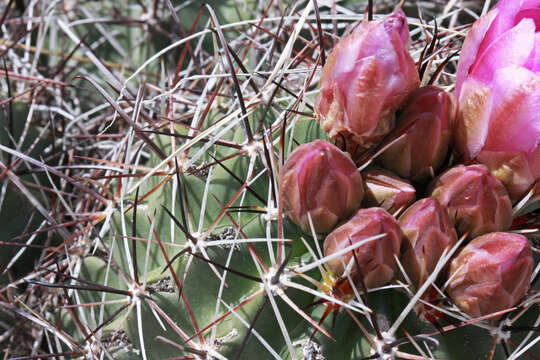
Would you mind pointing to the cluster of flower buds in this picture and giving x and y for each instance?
(369, 99)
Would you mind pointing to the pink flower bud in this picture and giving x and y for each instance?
(427, 231)
(367, 77)
(491, 273)
(320, 179)
(498, 88)
(476, 200)
(384, 189)
(374, 258)
(426, 120)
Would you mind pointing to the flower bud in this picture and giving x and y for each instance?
(374, 262)
(320, 179)
(367, 77)
(384, 189)
(476, 200)
(491, 273)
(425, 121)
(427, 231)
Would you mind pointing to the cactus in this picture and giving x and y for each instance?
(158, 212)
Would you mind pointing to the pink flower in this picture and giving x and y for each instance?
(367, 77)
(321, 180)
(498, 88)
(491, 273)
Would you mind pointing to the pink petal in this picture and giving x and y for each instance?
(471, 127)
(515, 120)
(472, 43)
(378, 41)
(511, 168)
(533, 14)
(508, 9)
(534, 161)
(397, 21)
(365, 96)
(534, 59)
(530, 4)
(349, 49)
(513, 47)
